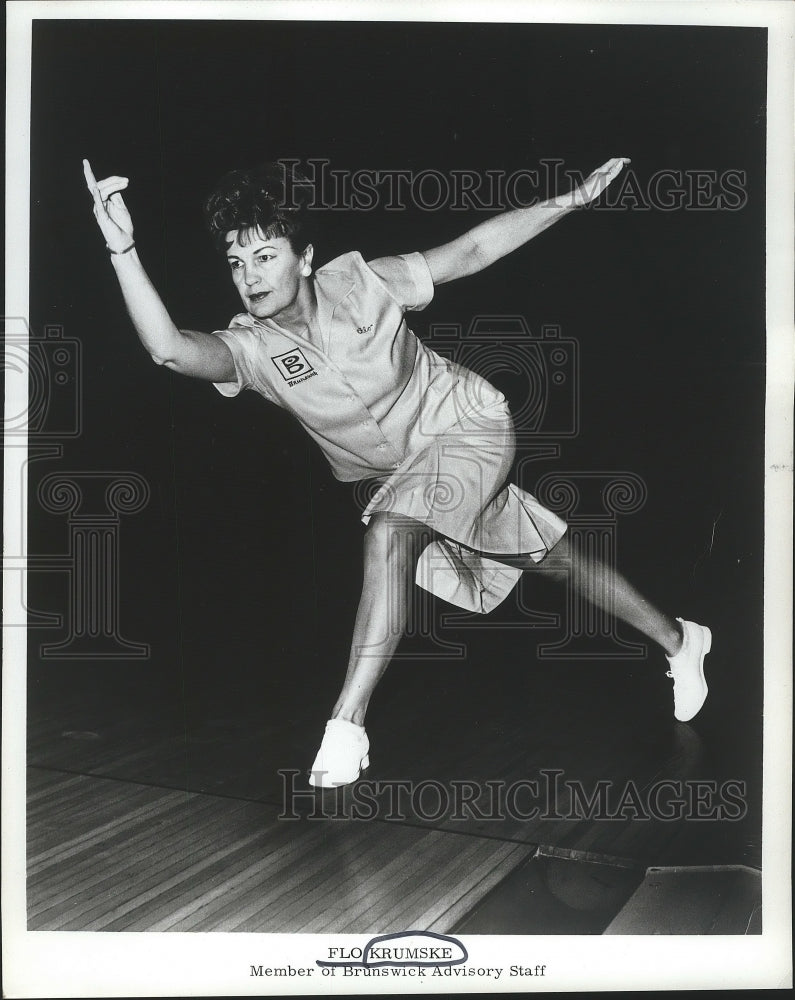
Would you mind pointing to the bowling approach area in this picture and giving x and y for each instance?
(509, 794)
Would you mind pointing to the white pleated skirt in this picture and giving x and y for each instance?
(458, 487)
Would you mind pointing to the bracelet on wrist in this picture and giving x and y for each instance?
(118, 253)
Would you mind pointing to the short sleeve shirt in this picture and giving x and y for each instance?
(360, 383)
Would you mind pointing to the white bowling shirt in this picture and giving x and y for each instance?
(361, 384)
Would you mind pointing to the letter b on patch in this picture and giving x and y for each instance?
(292, 364)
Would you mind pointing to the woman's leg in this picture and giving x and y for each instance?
(685, 643)
(606, 588)
(392, 546)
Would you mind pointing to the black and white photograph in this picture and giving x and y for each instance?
(397, 567)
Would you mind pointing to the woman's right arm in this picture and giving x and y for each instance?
(189, 352)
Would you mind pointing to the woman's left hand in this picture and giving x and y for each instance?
(111, 213)
(595, 183)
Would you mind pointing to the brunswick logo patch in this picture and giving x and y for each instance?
(293, 366)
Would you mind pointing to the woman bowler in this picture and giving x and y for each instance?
(332, 347)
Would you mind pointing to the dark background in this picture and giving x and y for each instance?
(245, 566)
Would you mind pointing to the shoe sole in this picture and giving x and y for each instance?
(707, 636)
(363, 765)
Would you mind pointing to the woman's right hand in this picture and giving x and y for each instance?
(110, 211)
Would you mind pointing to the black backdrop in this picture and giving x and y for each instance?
(246, 559)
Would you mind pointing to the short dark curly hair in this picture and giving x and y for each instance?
(271, 197)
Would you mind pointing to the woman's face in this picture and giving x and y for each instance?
(266, 271)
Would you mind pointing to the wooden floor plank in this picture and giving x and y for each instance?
(319, 895)
(40, 784)
(117, 862)
(130, 839)
(365, 873)
(77, 815)
(180, 876)
(426, 898)
(358, 895)
(256, 878)
(443, 865)
(444, 918)
(59, 852)
(259, 904)
(222, 898)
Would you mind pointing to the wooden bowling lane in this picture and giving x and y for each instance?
(110, 855)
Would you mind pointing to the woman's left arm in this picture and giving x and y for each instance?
(493, 239)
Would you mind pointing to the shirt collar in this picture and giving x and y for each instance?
(331, 288)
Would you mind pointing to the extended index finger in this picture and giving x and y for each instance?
(91, 183)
